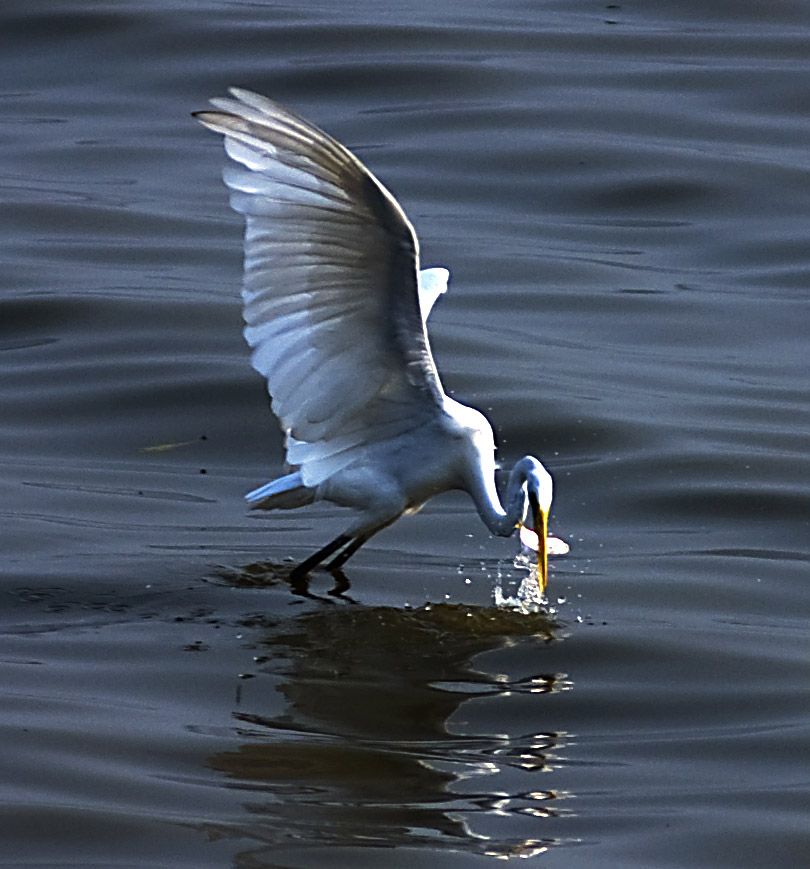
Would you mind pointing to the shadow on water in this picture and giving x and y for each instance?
(372, 749)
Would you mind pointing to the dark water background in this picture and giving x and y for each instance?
(622, 192)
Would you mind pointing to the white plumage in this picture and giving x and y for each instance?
(335, 309)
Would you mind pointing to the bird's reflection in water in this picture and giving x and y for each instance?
(371, 749)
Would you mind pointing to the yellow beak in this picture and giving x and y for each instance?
(540, 518)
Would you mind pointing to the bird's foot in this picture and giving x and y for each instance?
(342, 585)
(299, 581)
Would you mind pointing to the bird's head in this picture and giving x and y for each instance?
(539, 491)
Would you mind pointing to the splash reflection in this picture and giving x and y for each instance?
(372, 747)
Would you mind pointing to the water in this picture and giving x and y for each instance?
(621, 193)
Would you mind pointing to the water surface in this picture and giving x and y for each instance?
(621, 194)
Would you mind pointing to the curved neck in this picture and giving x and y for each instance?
(503, 521)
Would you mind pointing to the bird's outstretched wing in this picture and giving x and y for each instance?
(330, 287)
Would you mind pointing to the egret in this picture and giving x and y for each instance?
(335, 311)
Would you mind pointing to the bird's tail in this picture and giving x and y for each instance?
(285, 493)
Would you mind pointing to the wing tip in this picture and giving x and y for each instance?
(223, 105)
(245, 104)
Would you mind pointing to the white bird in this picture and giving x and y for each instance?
(335, 310)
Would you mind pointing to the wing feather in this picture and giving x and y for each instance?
(331, 293)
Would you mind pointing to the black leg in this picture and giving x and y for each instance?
(342, 557)
(301, 570)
